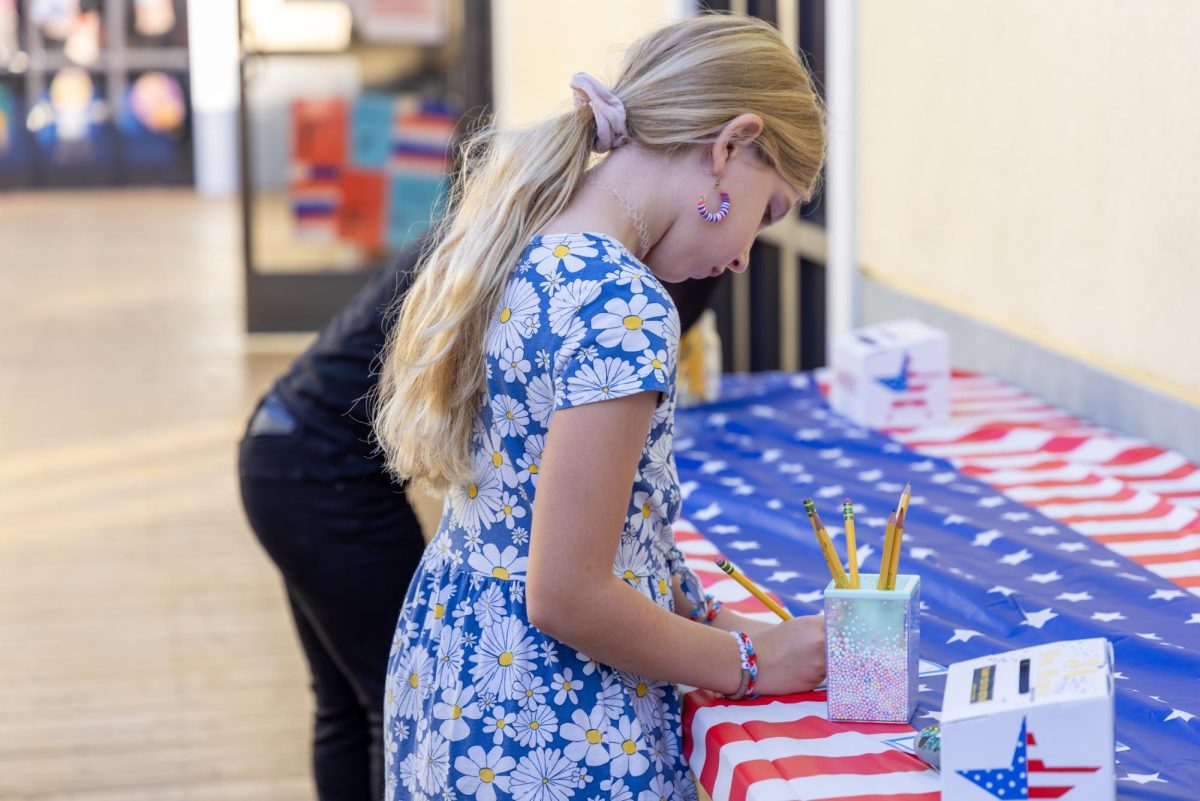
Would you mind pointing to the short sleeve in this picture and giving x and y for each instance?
(619, 338)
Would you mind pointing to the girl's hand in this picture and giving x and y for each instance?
(791, 656)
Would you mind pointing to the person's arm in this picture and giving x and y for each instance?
(586, 476)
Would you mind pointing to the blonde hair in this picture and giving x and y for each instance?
(680, 85)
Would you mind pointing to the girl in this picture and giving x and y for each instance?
(531, 376)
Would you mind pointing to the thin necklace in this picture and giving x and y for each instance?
(635, 216)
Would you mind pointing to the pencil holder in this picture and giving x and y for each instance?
(872, 639)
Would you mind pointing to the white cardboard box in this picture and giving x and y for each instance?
(892, 375)
(1031, 723)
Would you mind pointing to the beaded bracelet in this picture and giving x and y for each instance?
(749, 667)
(711, 608)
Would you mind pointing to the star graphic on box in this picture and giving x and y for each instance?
(1022, 779)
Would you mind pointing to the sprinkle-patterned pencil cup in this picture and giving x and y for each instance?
(872, 639)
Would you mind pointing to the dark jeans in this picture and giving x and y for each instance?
(347, 543)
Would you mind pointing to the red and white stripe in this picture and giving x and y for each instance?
(1139, 500)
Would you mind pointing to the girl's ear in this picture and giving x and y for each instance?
(737, 136)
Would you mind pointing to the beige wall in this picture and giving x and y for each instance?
(1035, 165)
(540, 44)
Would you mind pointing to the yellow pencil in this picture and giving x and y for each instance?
(753, 589)
(886, 556)
(831, 559)
(827, 549)
(851, 545)
(894, 562)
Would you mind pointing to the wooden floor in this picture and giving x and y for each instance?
(146, 650)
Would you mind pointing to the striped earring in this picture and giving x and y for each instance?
(708, 215)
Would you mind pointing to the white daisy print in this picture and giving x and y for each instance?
(498, 456)
(647, 509)
(514, 364)
(645, 694)
(659, 469)
(611, 698)
(499, 564)
(509, 416)
(567, 251)
(587, 734)
(631, 563)
(543, 775)
(449, 657)
(627, 323)
(653, 361)
(499, 724)
(530, 691)
(483, 772)
(551, 281)
(540, 396)
(510, 511)
(410, 774)
(617, 791)
(614, 253)
(626, 747)
(518, 306)
(661, 789)
(489, 606)
(626, 275)
(504, 655)
(476, 504)
(542, 359)
(535, 726)
(411, 682)
(567, 686)
(531, 462)
(433, 762)
(569, 302)
(601, 379)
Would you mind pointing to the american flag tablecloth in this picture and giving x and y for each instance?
(1027, 526)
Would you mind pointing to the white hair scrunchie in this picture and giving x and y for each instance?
(607, 108)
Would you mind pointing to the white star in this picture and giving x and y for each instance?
(921, 553)
(744, 545)
(759, 410)
(724, 529)
(963, 635)
(808, 597)
(1148, 636)
(765, 562)
(831, 492)
(1179, 713)
(830, 453)
(986, 537)
(1045, 578)
(1072, 547)
(1039, 619)
(1104, 562)
(1121, 747)
(870, 475)
(718, 419)
(708, 468)
(1167, 595)
(991, 503)
(707, 513)
(1005, 591)
(1042, 531)
(808, 434)
(1074, 597)
(1142, 778)
(876, 521)
(1132, 576)
(1015, 516)
(953, 519)
(1119, 675)
(845, 461)
(923, 467)
(888, 486)
(771, 455)
(743, 489)
(1016, 558)
(775, 504)
(934, 714)
(782, 575)
(891, 447)
(943, 478)
(968, 489)
(1195, 618)
(1107, 617)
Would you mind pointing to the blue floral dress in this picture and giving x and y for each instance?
(479, 703)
